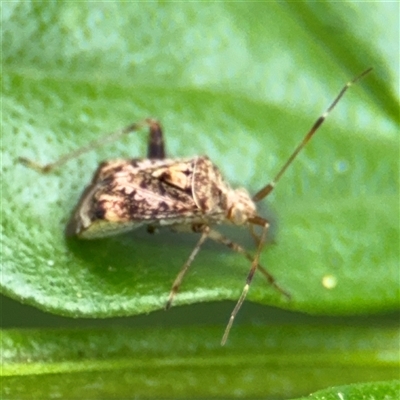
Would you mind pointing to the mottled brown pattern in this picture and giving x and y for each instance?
(128, 193)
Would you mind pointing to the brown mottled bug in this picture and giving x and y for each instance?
(183, 194)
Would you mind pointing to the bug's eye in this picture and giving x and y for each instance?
(237, 216)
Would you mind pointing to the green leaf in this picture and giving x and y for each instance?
(241, 83)
(373, 391)
(274, 362)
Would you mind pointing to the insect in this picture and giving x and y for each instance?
(188, 194)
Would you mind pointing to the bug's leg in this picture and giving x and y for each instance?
(178, 280)
(219, 238)
(156, 147)
(249, 278)
(154, 137)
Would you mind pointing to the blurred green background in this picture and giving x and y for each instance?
(242, 83)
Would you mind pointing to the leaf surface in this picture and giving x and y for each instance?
(260, 362)
(239, 83)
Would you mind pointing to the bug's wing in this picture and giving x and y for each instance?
(131, 196)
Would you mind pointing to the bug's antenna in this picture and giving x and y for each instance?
(266, 190)
(248, 282)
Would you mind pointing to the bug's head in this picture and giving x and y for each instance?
(240, 207)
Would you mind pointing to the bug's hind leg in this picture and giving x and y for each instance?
(178, 280)
(156, 148)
